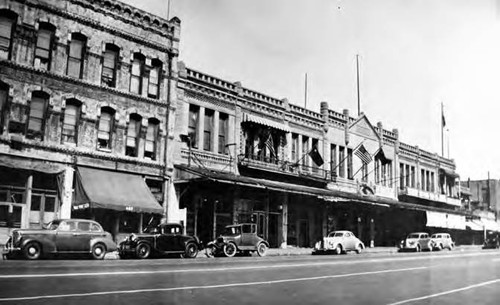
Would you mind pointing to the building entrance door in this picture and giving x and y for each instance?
(303, 233)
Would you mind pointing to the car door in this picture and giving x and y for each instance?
(69, 238)
(247, 236)
(348, 241)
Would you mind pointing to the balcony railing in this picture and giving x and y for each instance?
(413, 192)
(286, 167)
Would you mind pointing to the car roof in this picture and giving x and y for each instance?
(239, 224)
(340, 231)
(418, 233)
(75, 219)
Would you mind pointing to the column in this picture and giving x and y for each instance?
(284, 221)
(372, 233)
(67, 194)
(25, 218)
(299, 150)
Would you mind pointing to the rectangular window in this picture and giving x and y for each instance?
(388, 173)
(305, 150)
(133, 130)
(401, 176)
(333, 160)
(6, 26)
(422, 180)
(36, 120)
(194, 113)
(108, 77)
(295, 147)
(433, 187)
(407, 175)
(349, 164)
(75, 58)
(151, 136)
(137, 74)
(104, 131)
(364, 172)
(4, 94)
(208, 129)
(341, 161)
(223, 119)
(412, 174)
(154, 82)
(43, 49)
(70, 124)
(377, 171)
(427, 182)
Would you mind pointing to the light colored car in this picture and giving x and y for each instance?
(339, 242)
(417, 241)
(65, 236)
(442, 241)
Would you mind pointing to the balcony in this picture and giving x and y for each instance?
(431, 196)
(271, 164)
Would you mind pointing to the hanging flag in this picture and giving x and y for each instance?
(315, 156)
(443, 121)
(363, 154)
(270, 145)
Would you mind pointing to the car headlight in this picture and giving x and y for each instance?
(133, 237)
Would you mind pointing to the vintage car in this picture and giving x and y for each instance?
(240, 238)
(64, 236)
(442, 241)
(339, 242)
(161, 240)
(492, 240)
(417, 241)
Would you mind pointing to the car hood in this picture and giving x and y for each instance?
(32, 231)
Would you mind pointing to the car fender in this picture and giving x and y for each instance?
(264, 242)
(110, 246)
(48, 246)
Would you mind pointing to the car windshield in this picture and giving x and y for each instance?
(53, 225)
(232, 231)
(435, 236)
(414, 236)
(338, 234)
(152, 230)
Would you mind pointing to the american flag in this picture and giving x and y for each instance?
(363, 154)
(270, 145)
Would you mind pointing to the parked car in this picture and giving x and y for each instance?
(60, 237)
(161, 240)
(417, 241)
(442, 241)
(239, 238)
(492, 240)
(339, 242)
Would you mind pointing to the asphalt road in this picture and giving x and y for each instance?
(456, 277)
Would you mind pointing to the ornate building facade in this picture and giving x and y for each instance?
(84, 93)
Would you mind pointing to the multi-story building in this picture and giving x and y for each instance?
(85, 88)
(245, 156)
(99, 120)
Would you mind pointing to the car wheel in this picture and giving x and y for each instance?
(230, 249)
(32, 251)
(191, 251)
(450, 247)
(359, 248)
(430, 247)
(143, 251)
(338, 249)
(440, 247)
(418, 249)
(261, 249)
(98, 251)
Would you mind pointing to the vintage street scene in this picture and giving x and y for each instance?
(250, 152)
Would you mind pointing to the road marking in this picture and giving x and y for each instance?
(58, 296)
(447, 292)
(254, 267)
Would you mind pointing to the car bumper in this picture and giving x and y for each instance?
(9, 250)
(126, 248)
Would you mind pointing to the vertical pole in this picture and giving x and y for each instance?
(168, 10)
(27, 205)
(357, 83)
(305, 92)
(442, 127)
(448, 141)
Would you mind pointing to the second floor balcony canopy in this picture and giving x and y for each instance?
(449, 173)
(265, 122)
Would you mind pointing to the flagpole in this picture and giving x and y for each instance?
(357, 83)
(305, 92)
(442, 128)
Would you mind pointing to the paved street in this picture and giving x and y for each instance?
(456, 277)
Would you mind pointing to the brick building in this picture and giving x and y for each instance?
(84, 94)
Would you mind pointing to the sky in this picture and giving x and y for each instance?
(413, 56)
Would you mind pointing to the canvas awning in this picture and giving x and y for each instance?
(474, 225)
(444, 220)
(113, 190)
(490, 224)
(449, 172)
(265, 122)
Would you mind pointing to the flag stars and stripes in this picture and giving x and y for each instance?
(363, 154)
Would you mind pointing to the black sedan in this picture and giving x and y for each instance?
(160, 241)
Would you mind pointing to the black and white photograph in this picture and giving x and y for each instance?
(250, 152)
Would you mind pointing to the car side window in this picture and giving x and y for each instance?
(95, 228)
(246, 229)
(63, 226)
(347, 235)
(72, 225)
(84, 226)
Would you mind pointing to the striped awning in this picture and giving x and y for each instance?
(265, 122)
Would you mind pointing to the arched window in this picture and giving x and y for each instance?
(43, 49)
(7, 24)
(109, 63)
(133, 132)
(37, 115)
(76, 54)
(151, 139)
(154, 79)
(105, 128)
(137, 73)
(71, 121)
(4, 96)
